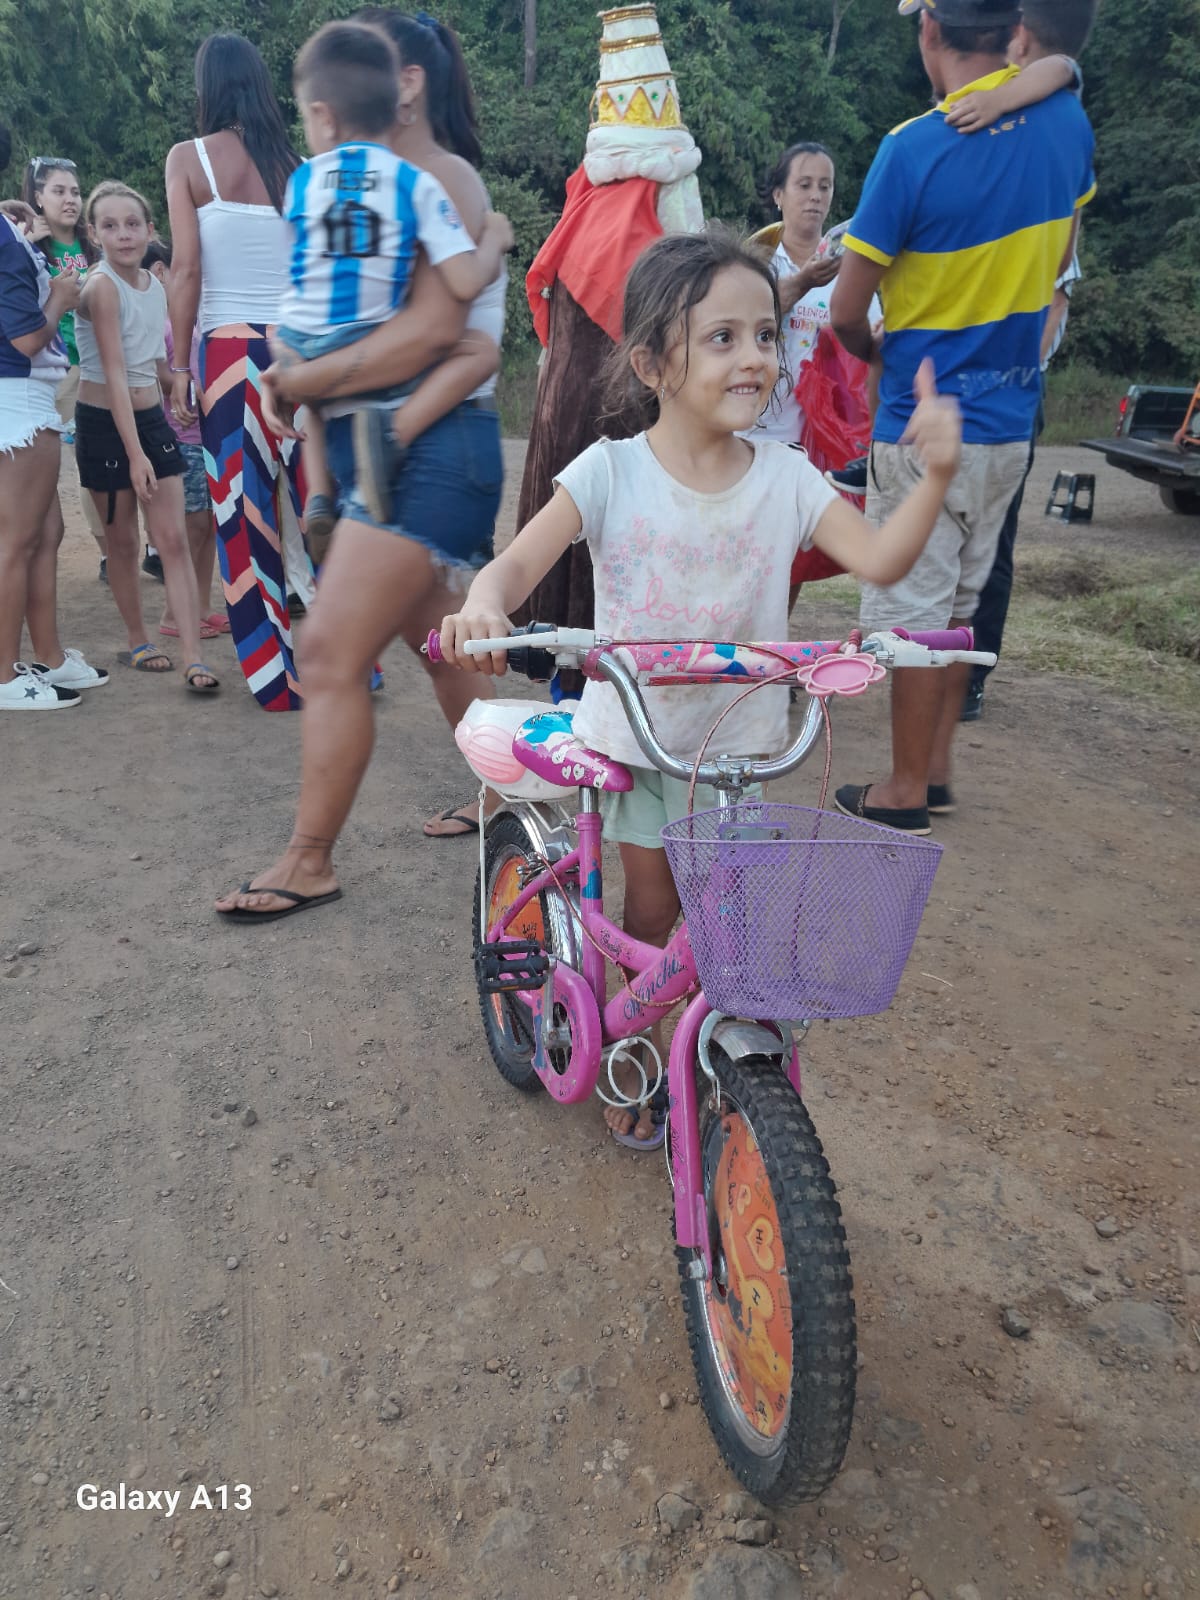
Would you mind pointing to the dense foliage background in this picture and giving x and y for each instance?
(108, 83)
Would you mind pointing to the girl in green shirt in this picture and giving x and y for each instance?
(51, 187)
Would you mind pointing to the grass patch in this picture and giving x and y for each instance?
(1081, 402)
(1066, 575)
(516, 392)
(1134, 626)
(1136, 604)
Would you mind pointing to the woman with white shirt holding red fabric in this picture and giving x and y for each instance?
(801, 186)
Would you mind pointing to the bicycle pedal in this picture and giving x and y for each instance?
(510, 966)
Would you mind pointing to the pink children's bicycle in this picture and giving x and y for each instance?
(791, 914)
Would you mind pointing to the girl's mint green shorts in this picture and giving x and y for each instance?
(639, 816)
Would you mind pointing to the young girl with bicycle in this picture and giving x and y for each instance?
(692, 531)
(123, 442)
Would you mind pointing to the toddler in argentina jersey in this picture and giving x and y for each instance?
(357, 214)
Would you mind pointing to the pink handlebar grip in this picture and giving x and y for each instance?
(433, 647)
(945, 639)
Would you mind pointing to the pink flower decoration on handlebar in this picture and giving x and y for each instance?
(839, 674)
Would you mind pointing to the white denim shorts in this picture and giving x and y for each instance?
(949, 574)
(26, 407)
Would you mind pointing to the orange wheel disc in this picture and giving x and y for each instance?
(747, 1302)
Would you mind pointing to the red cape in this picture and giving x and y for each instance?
(599, 236)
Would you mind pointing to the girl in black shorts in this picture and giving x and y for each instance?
(124, 445)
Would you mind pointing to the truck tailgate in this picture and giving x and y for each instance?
(1160, 460)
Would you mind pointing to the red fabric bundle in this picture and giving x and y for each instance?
(591, 248)
(832, 392)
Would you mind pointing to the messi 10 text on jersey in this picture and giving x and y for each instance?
(346, 180)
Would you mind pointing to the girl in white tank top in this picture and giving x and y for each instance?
(124, 445)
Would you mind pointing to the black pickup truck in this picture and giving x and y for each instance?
(1144, 444)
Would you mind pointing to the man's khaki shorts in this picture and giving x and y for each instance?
(951, 571)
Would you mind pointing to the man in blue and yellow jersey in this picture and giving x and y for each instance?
(963, 239)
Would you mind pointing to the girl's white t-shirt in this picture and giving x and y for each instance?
(670, 563)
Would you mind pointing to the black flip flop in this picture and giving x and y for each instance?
(301, 902)
(852, 799)
(469, 825)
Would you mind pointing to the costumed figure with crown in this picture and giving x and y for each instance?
(636, 183)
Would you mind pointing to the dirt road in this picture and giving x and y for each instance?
(271, 1218)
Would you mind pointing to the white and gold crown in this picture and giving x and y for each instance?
(636, 87)
(637, 130)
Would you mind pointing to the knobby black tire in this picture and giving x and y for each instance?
(812, 1445)
(512, 1051)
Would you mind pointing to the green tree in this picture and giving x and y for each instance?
(109, 83)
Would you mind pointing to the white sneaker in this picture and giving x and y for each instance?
(29, 691)
(75, 673)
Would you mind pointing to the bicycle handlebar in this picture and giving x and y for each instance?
(946, 639)
(721, 769)
(599, 659)
(569, 647)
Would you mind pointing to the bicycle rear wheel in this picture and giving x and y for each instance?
(772, 1334)
(511, 861)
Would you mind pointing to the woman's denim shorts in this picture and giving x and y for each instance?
(447, 491)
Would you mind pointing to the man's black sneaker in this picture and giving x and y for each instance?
(152, 564)
(850, 479)
(972, 708)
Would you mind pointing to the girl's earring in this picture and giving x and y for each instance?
(407, 116)
(662, 393)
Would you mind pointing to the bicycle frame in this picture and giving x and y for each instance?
(663, 978)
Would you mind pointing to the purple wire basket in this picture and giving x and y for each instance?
(796, 913)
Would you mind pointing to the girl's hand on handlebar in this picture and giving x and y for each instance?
(475, 624)
(935, 427)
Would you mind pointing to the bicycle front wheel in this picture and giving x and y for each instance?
(772, 1333)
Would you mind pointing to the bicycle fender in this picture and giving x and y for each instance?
(583, 1019)
(738, 1038)
(549, 825)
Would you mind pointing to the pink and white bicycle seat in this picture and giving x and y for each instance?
(547, 745)
(528, 751)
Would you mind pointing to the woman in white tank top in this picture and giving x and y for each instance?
(395, 578)
(229, 267)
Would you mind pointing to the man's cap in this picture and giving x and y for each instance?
(966, 13)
